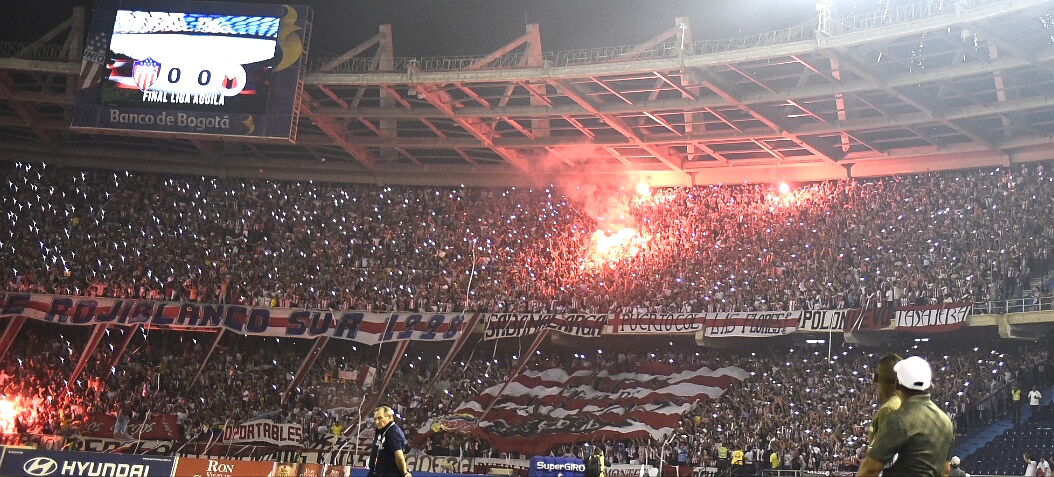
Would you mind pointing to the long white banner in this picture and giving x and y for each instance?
(822, 321)
(264, 431)
(360, 326)
(933, 318)
(754, 324)
(514, 325)
(373, 328)
(658, 323)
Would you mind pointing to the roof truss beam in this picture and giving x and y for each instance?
(479, 129)
(618, 124)
(868, 75)
(7, 91)
(336, 133)
(719, 87)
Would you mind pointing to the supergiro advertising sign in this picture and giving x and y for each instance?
(556, 467)
(37, 463)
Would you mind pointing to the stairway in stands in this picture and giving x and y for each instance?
(999, 449)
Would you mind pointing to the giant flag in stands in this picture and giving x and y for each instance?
(543, 408)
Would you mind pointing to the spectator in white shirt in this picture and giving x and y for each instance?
(1034, 396)
(1043, 468)
(1030, 469)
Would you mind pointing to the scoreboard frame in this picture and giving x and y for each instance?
(235, 94)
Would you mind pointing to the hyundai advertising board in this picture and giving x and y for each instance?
(40, 463)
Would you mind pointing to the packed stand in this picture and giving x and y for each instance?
(244, 378)
(820, 419)
(795, 401)
(953, 236)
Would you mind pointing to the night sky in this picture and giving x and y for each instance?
(473, 27)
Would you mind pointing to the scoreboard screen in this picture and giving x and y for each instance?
(199, 62)
(193, 68)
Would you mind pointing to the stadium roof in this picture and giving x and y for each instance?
(924, 86)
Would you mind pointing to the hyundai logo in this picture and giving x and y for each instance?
(40, 466)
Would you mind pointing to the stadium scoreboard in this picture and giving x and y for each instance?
(193, 68)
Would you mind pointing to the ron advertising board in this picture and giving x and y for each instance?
(192, 467)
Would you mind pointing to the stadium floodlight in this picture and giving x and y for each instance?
(823, 10)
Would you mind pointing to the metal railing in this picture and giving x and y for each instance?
(900, 14)
(612, 53)
(806, 31)
(992, 407)
(1015, 305)
(11, 49)
(803, 32)
(359, 64)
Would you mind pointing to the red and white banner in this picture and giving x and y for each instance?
(870, 319)
(657, 323)
(454, 423)
(363, 375)
(160, 427)
(753, 324)
(515, 325)
(374, 328)
(822, 321)
(360, 326)
(264, 431)
(933, 318)
(543, 408)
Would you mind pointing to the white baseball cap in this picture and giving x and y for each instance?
(914, 373)
(955, 461)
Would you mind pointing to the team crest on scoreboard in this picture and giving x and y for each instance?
(145, 72)
(229, 83)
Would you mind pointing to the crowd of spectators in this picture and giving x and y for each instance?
(952, 236)
(161, 373)
(812, 409)
(939, 237)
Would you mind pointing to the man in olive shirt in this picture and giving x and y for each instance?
(888, 401)
(886, 382)
(920, 434)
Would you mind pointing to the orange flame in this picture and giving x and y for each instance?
(606, 249)
(9, 410)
